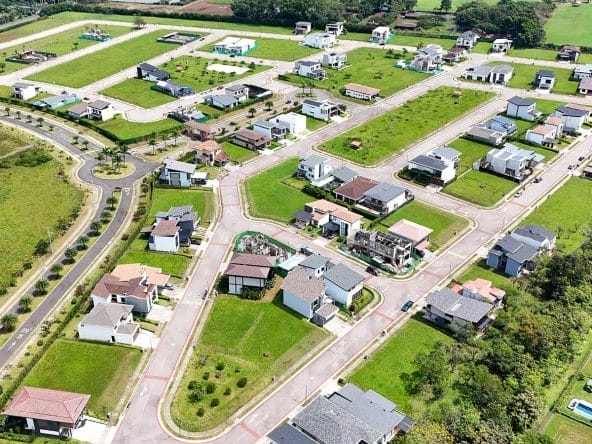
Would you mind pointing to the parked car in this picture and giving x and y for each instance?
(407, 306)
(370, 269)
(538, 179)
(518, 193)
(306, 251)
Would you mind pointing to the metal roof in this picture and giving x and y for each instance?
(459, 306)
(343, 276)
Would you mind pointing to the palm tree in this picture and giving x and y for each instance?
(85, 144)
(18, 114)
(9, 321)
(175, 133)
(252, 112)
(7, 110)
(117, 159)
(70, 253)
(25, 303)
(95, 226)
(75, 139)
(40, 121)
(123, 150)
(83, 241)
(41, 286)
(152, 143)
(56, 269)
(164, 139)
(269, 105)
(105, 151)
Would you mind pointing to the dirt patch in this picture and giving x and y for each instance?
(272, 292)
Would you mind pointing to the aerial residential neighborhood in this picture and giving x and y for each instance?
(296, 222)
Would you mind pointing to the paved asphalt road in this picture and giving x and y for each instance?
(60, 137)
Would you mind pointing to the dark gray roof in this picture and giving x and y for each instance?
(545, 73)
(344, 277)
(179, 166)
(571, 112)
(312, 102)
(306, 63)
(99, 104)
(160, 74)
(288, 434)
(429, 162)
(459, 306)
(521, 101)
(384, 192)
(147, 67)
(312, 160)
(238, 87)
(226, 99)
(481, 71)
(56, 100)
(536, 232)
(180, 211)
(344, 174)
(315, 261)
(503, 69)
(22, 85)
(302, 215)
(515, 249)
(504, 121)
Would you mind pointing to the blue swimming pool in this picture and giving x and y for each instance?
(583, 410)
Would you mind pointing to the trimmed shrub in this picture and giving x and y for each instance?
(242, 382)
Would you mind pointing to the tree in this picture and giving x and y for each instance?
(40, 121)
(56, 269)
(2, 66)
(445, 5)
(252, 112)
(433, 371)
(427, 432)
(41, 286)
(175, 133)
(83, 241)
(9, 321)
(42, 247)
(152, 143)
(25, 304)
(524, 409)
(123, 150)
(70, 253)
(95, 226)
(7, 110)
(269, 105)
(139, 22)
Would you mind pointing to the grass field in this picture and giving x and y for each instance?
(269, 198)
(480, 188)
(470, 152)
(563, 430)
(26, 191)
(390, 133)
(524, 77)
(12, 139)
(173, 264)
(251, 346)
(238, 153)
(138, 92)
(202, 201)
(275, 49)
(480, 270)
(545, 54)
(444, 224)
(125, 130)
(385, 372)
(100, 64)
(102, 371)
(570, 25)
(566, 213)
(61, 43)
(368, 66)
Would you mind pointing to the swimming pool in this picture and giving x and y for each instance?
(582, 408)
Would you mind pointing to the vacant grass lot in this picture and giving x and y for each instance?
(251, 346)
(31, 199)
(390, 133)
(545, 54)
(61, 43)
(370, 67)
(138, 92)
(547, 106)
(385, 372)
(100, 64)
(444, 224)
(481, 270)
(563, 430)
(524, 77)
(123, 130)
(269, 198)
(570, 25)
(275, 49)
(202, 201)
(12, 139)
(102, 371)
(480, 188)
(567, 213)
(238, 153)
(471, 151)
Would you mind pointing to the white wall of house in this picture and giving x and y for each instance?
(178, 178)
(166, 244)
(25, 93)
(264, 130)
(296, 122)
(446, 175)
(339, 295)
(395, 203)
(573, 123)
(521, 112)
(358, 95)
(298, 305)
(95, 333)
(124, 339)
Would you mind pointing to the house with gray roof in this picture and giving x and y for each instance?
(544, 79)
(316, 264)
(343, 175)
(320, 109)
(459, 313)
(309, 69)
(522, 108)
(511, 161)
(497, 74)
(222, 101)
(342, 284)
(581, 71)
(438, 171)
(54, 102)
(315, 168)
(187, 221)
(176, 173)
(573, 118)
(467, 40)
(24, 91)
(486, 135)
(109, 323)
(385, 198)
(347, 416)
(502, 124)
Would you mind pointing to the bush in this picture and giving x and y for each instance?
(206, 376)
(193, 385)
(200, 412)
(227, 391)
(220, 366)
(210, 388)
(254, 294)
(215, 402)
(242, 382)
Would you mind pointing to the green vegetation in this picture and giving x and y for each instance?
(102, 371)
(12, 139)
(269, 197)
(470, 151)
(545, 54)
(524, 78)
(480, 187)
(61, 43)
(238, 153)
(239, 352)
(124, 130)
(481, 270)
(569, 25)
(138, 92)
(370, 67)
(100, 64)
(165, 198)
(313, 124)
(33, 183)
(390, 133)
(174, 264)
(566, 213)
(443, 223)
(563, 430)
(275, 49)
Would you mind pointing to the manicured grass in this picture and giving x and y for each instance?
(43, 24)
(125, 130)
(387, 369)
(165, 198)
(368, 66)
(313, 124)
(480, 270)
(238, 153)
(567, 213)
(100, 64)
(480, 188)
(547, 106)
(102, 371)
(12, 139)
(444, 224)
(547, 153)
(563, 430)
(251, 346)
(403, 40)
(138, 92)
(524, 77)
(61, 43)
(173, 264)
(545, 54)
(270, 198)
(33, 199)
(275, 49)
(570, 25)
(471, 151)
(390, 133)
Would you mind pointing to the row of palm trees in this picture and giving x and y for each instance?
(115, 154)
(164, 138)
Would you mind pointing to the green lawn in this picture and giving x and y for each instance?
(27, 191)
(547, 106)
(270, 198)
(100, 370)
(251, 346)
(173, 264)
(480, 188)
(563, 430)
(481, 270)
(122, 129)
(313, 124)
(368, 66)
(37, 26)
(61, 43)
(471, 151)
(100, 64)
(443, 223)
(12, 139)
(570, 25)
(386, 370)
(524, 77)
(390, 133)
(165, 198)
(138, 92)
(547, 153)
(403, 40)
(545, 54)
(275, 49)
(238, 153)
(567, 213)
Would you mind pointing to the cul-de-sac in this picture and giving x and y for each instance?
(296, 221)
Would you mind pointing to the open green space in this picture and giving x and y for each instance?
(313, 124)
(545, 54)
(547, 153)
(174, 264)
(11, 139)
(275, 49)
(480, 270)
(390, 133)
(165, 198)
(238, 153)
(102, 371)
(386, 370)
(270, 198)
(100, 64)
(524, 77)
(240, 339)
(563, 430)
(123, 129)
(470, 151)
(367, 66)
(34, 198)
(547, 106)
(570, 25)
(138, 92)
(566, 213)
(480, 187)
(443, 223)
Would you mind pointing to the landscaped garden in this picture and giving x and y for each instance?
(100, 64)
(275, 49)
(100, 370)
(390, 133)
(234, 361)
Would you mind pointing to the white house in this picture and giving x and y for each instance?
(441, 172)
(544, 79)
(522, 108)
(302, 28)
(361, 92)
(222, 101)
(555, 122)
(498, 74)
(573, 118)
(385, 197)
(240, 91)
(310, 69)
(176, 173)
(344, 222)
(334, 60)
(336, 28)
(428, 59)
(296, 123)
(380, 34)
(234, 46)
(342, 284)
(270, 129)
(165, 237)
(140, 292)
(314, 167)
(511, 161)
(24, 91)
(303, 292)
(109, 323)
(320, 109)
(467, 40)
(581, 72)
(320, 40)
(501, 45)
(542, 135)
(101, 110)
(585, 86)
(536, 236)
